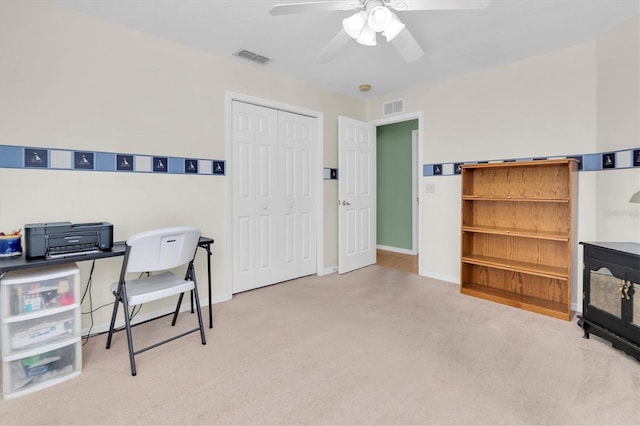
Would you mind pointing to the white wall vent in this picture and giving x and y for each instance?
(253, 56)
(393, 107)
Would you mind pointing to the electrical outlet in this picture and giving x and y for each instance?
(429, 188)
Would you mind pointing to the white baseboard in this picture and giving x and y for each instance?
(328, 271)
(448, 278)
(396, 249)
(576, 308)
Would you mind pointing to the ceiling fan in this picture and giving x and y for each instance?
(372, 17)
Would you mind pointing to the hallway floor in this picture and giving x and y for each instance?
(398, 261)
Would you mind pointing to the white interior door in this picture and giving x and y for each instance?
(255, 242)
(274, 228)
(297, 142)
(356, 194)
(415, 185)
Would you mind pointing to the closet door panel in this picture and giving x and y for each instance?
(255, 153)
(243, 197)
(297, 149)
(274, 197)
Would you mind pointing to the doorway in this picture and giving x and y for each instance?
(399, 171)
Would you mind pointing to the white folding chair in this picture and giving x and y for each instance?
(153, 253)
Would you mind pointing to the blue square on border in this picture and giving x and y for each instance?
(591, 162)
(636, 158)
(437, 169)
(104, 162)
(11, 156)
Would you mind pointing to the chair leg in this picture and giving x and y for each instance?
(113, 317)
(175, 313)
(191, 274)
(127, 324)
(197, 298)
(121, 296)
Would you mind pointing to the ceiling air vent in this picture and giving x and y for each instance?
(253, 57)
(393, 107)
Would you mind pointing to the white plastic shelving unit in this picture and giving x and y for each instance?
(40, 328)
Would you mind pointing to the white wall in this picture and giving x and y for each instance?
(72, 81)
(576, 100)
(618, 100)
(535, 107)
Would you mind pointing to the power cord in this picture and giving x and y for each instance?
(87, 291)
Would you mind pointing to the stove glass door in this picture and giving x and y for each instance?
(605, 292)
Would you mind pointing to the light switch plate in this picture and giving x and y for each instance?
(429, 188)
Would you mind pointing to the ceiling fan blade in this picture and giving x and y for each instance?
(335, 45)
(407, 46)
(315, 6)
(437, 4)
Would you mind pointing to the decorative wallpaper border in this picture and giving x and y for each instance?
(64, 159)
(623, 159)
(330, 174)
(19, 157)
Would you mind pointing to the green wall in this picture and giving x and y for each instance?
(394, 198)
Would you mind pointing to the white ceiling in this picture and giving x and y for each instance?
(455, 42)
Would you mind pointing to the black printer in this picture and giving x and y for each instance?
(61, 239)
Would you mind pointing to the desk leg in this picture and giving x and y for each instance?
(207, 247)
(209, 271)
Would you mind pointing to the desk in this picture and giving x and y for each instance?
(118, 249)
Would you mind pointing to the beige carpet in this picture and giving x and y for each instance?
(376, 346)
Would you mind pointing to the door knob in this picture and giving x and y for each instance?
(621, 288)
(346, 203)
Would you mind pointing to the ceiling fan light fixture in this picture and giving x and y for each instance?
(379, 18)
(367, 37)
(394, 28)
(354, 24)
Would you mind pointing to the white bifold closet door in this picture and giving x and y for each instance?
(274, 198)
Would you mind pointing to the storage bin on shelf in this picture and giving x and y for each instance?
(40, 327)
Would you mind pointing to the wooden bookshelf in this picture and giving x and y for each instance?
(517, 234)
